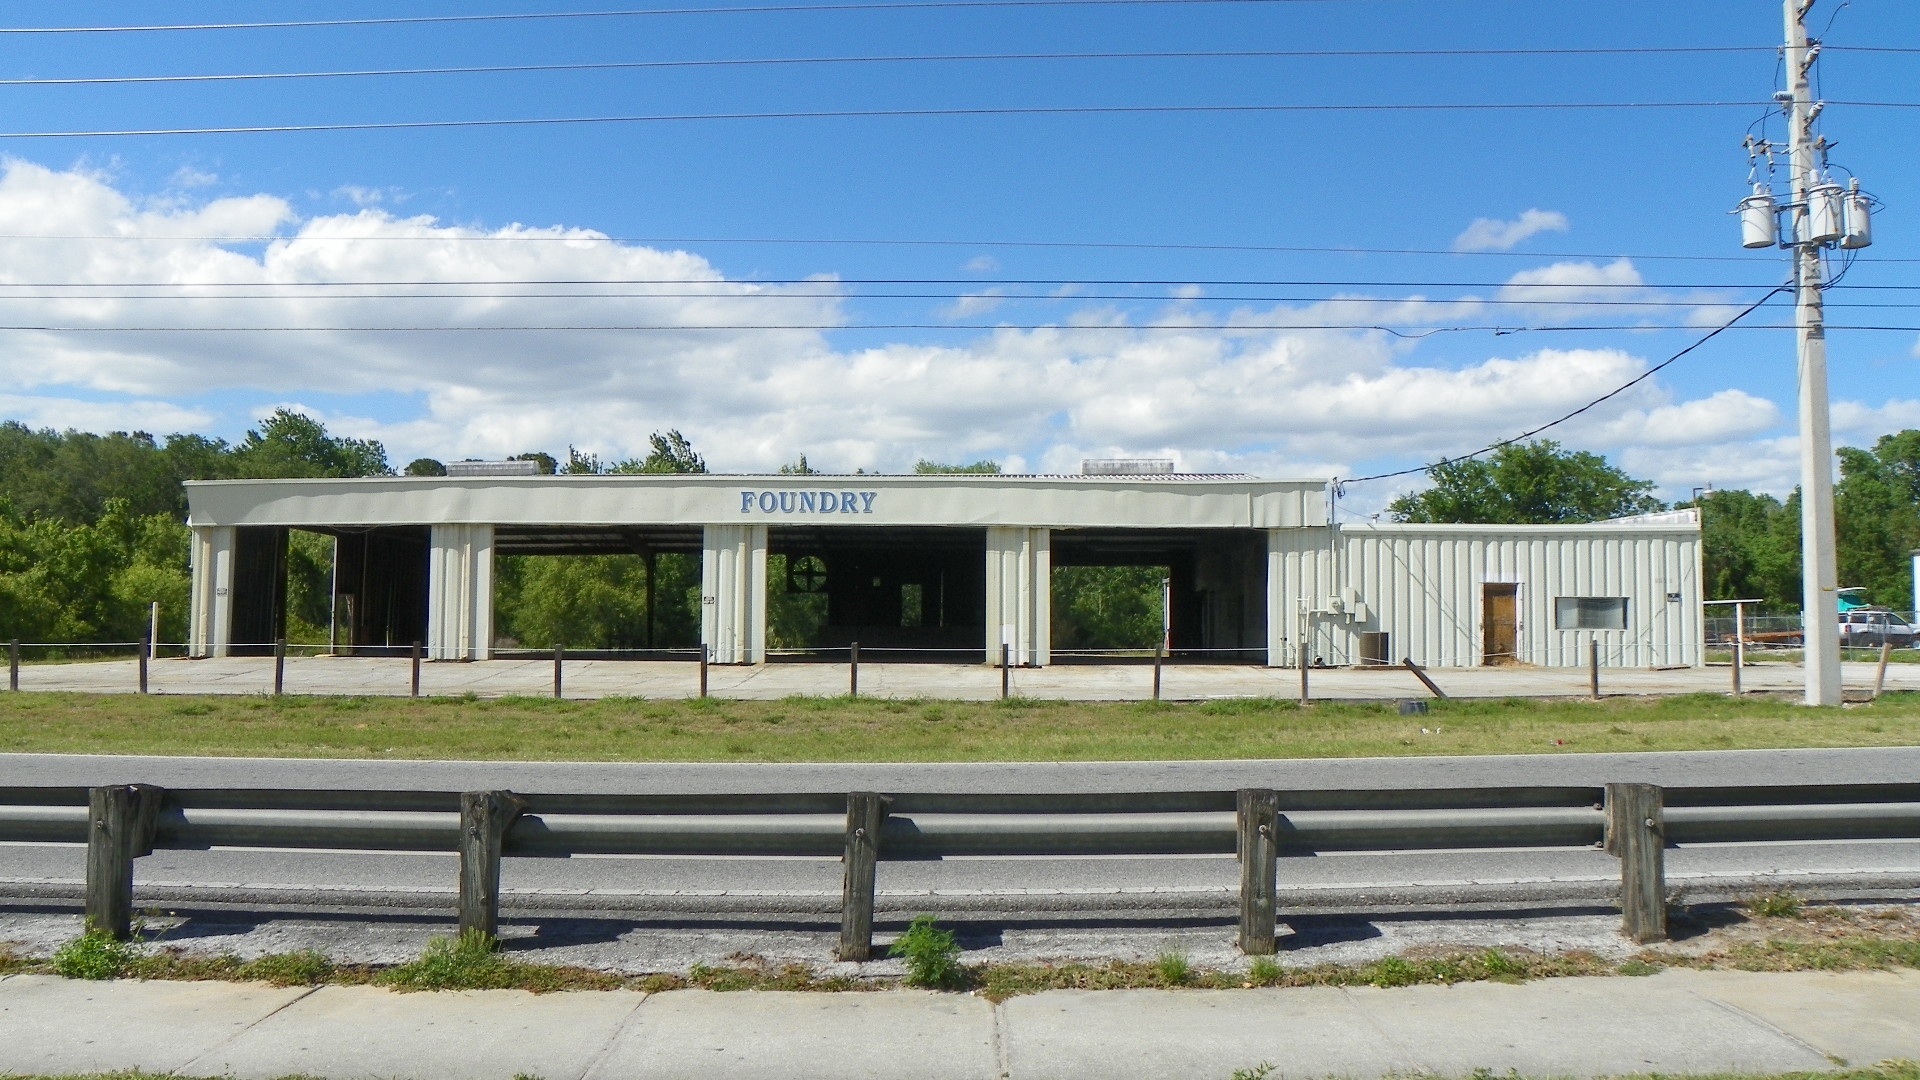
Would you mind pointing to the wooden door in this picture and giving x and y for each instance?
(1500, 623)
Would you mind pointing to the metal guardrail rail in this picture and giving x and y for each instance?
(1634, 822)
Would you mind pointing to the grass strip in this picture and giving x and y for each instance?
(869, 729)
(1807, 939)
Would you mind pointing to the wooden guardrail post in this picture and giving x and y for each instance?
(1159, 652)
(1880, 676)
(485, 817)
(1006, 670)
(1259, 843)
(13, 664)
(866, 813)
(414, 688)
(559, 657)
(853, 672)
(279, 666)
(146, 649)
(1637, 836)
(120, 822)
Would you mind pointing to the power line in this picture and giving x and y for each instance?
(881, 114)
(642, 65)
(970, 282)
(418, 20)
(1006, 297)
(1212, 328)
(1340, 485)
(872, 242)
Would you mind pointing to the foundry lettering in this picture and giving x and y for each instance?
(807, 502)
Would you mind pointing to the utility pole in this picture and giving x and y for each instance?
(1819, 606)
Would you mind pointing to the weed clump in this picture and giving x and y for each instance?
(1173, 968)
(931, 954)
(1780, 904)
(95, 954)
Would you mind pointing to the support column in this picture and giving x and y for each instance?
(210, 613)
(1020, 594)
(733, 593)
(460, 593)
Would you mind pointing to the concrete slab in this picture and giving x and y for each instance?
(380, 676)
(1181, 1035)
(1579, 1027)
(699, 1035)
(56, 1026)
(1859, 1017)
(344, 1032)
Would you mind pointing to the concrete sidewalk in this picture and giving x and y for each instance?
(1673, 1022)
(387, 677)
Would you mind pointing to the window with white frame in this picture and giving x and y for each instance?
(1590, 612)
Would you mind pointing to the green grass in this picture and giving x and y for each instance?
(869, 729)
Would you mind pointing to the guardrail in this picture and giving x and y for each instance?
(1633, 822)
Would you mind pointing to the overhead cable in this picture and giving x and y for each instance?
(881, 114)
(531, 16)
(1339, 486)
(785, 61)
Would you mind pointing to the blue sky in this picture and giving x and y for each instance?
(1101, 350)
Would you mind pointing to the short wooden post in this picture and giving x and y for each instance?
(279, 666)
(153, 631)
(146, 646)
(1593, 669)
(1425, 680)
(1880, 676)
(559, 657)
(485, 817)
(866, 814)
(1259, 828)
(1636, 834)
(1006, 671)
(853, 672)
(120, 829)
(1306, 629)
(414, 689)
(705, 652)
(13, 664)
(1159, 653)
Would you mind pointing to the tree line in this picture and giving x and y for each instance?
(92, 532)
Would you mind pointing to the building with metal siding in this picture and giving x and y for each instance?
(1439, 592)
(1256, 567)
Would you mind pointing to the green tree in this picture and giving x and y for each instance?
(670, 453)
(1876, 510)
(295, 444)
(799, 468)
(548, 466)
(1751, 547)
(1106, 607)
(425, 466)
(1533, 483)
(983, 466)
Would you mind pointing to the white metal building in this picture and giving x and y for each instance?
(1255, 566)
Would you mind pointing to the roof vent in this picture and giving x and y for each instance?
(1126, 467)
(493, 468)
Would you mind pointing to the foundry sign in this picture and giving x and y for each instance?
(807, 502)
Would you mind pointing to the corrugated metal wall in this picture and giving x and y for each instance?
(1422, 585)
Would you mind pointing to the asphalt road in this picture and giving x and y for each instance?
(1173, 884)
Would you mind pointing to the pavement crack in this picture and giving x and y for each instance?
(613, 1038)
(1002, 1054)
(1769, 1025)
(257, 1021)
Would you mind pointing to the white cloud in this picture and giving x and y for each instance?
(970, 304)
(1219, 391)
(1492, 234)
(1859, 424)
(64, 414)
(981, 264)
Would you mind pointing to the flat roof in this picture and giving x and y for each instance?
(1197, 501)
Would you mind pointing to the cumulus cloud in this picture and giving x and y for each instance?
(665, 339)
(72, 414)
(1492, 234)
